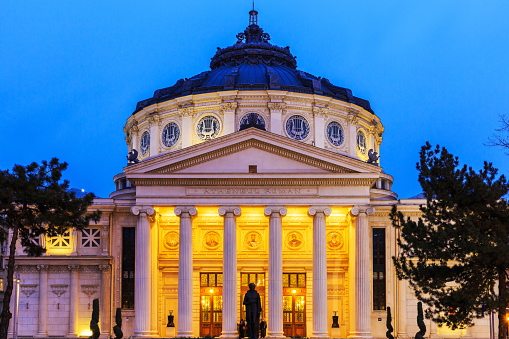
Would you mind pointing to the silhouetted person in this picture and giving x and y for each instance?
(263, 328)
(253, 309)
(242, 328)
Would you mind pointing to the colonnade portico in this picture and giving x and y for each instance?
(359, 278)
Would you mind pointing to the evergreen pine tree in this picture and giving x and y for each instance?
(456, 255)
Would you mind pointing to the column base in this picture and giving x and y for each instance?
(188, 334)
(275, 335)
(319, 336)
(403, 336)
(143, 335)
(229, 335)
(71, 335)
(41, 335)
(360, 336)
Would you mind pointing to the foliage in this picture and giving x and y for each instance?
(457, 252)
(501, 138)
(34, 201)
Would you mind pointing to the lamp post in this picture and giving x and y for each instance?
(16, 307)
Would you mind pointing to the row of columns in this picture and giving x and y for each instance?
(361, 289)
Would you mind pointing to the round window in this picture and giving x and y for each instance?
(297, 127)
(208, 127)
(145, 143)
(335, 133)
(171, 134)
(361, 143)
(252, 120)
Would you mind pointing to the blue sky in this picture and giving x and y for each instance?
(72, 72)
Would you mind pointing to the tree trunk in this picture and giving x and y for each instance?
(6, 313)
(502, 293)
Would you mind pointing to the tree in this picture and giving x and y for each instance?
(457, 252)
(501, 138)
(35, 201)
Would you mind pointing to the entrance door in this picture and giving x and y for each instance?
(294, 304)
(211, 304)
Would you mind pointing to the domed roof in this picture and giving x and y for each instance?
(253, 63)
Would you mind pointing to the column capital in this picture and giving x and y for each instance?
(42, 267)
(185, 209)
(229, 209)
(136, 210)
(320, 209)
(228, 107)
(275, 209)
(356, 210)
(73, 268)
(104, 268)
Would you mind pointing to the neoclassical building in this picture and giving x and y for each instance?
(252, 171)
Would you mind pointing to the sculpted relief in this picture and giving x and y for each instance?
(334, 240)
(253, 240)
(171, 240)
(212, 240)
(294, 240)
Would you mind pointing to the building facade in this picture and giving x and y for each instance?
(253, 171)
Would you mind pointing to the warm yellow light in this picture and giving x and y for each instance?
(211, 291)
(294, 291)
(85, 333)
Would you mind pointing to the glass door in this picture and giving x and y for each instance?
(211, 304)
(294, 304)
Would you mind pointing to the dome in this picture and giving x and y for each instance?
(253, 63)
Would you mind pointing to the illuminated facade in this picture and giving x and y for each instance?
(251, 172)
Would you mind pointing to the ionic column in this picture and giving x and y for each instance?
(73, 301)
(142, 295)
(185, 281)
(319, 271)
(42, 331)
(362, 321)
(275, 321)
(229, 271)
(105, 301)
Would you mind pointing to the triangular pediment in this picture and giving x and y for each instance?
(234, 153)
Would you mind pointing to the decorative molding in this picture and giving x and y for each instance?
(186, 111)
(229, 209)
(73, 268)
(136, 210)
(269, 210)
(171, 240)
(28, 289)
(356, 210)
(319, 209)
(276, 106)
(353, 119)
(253, 240)
(43, 268)
(228, 106)
(252, 143)
(59, 290)
(334, 240)
(89, 290)
(253, 181)
(191, 210)
(320, 111)
(104, 268)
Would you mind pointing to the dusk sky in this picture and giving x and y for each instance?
(72, 72)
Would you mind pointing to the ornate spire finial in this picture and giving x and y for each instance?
(253, 17)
